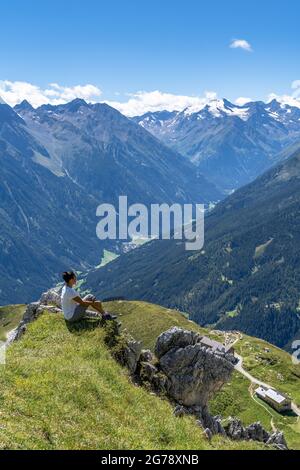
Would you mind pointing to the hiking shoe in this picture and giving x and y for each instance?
(108, 316)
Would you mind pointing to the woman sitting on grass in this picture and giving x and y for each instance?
(74, 307)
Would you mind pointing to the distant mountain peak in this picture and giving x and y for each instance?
(218, 108)
(23, 106)
(75, 104)
(288, 102)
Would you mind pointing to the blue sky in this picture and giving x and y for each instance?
(175, 47)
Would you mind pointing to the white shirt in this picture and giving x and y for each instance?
(67, 302)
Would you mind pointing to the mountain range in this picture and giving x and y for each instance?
(230, 144)
(247, 275)
(58, 163)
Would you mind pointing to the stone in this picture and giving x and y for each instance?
(146, 355)
(31, 313)
(51, 297)
(256, 432)
(219, 426)
(174, 338)
(130, 354)
(235, 430)
(179, 411)
(194, 374)
(147, 371)
(208, 434)
(231, 358)
(277, 439)
(160, 383)
(208, 421)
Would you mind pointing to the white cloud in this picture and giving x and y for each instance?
(136, 104)
(15, 92)
(293, 99)
(242, 100)
(241, 44)
(296, 88)
(143, 101)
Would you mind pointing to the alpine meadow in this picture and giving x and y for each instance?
(150, 232)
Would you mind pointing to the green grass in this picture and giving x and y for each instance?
(10, 316)
(271, 365)
(107, 257)
(62, 389)
(275, 367)
(146, 321)
(234, 400)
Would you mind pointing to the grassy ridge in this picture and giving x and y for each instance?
(61, 389)
(146, 321)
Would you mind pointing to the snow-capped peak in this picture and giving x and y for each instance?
(286, 101)
(218, 108)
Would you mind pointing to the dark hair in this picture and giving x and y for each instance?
(68, 275)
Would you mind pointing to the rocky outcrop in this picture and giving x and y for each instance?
(146, 355)
(255, 432)
(190, 375)
(174, 338)
(129, 354)
(31, 313)
(204, 418)
(147, 371)
(194, 373)
(50, 301)
(51, 297)
(277, 439)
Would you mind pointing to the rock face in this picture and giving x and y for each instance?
(255, 432)
(147, 371)
(146, 355)
(277, 439)
(49, 300)
(51, 297)
(194, 373)
(174, 338)
(31, 313)
(132, 354)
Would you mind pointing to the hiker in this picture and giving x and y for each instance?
(74, 307)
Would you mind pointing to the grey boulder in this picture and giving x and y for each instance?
(194, 374)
